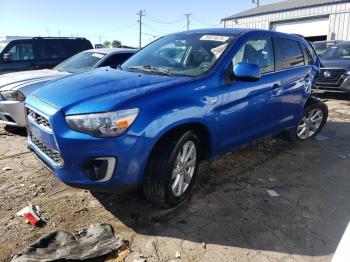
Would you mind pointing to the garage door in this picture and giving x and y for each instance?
(307, 28)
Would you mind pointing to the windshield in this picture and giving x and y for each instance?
(3, 45)
(81, 62)
(180, 54)
(337, 52)
(321, 47)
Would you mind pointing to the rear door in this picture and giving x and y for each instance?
(21, 54)
(295, 74)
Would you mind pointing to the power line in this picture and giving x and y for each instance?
(114, 30)
(155, 30)
(159, 21)
(203, 22)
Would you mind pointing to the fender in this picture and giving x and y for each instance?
(312, 100)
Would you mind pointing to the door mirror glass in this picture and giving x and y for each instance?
(7, 57)
(246, 72)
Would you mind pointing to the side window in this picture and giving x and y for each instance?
(73, 46)
(21, 52)
(307, 54)
(116, 59)
(290, 54)
(51, 49)
(258, 51)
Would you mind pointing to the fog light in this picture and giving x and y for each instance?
(100, 169)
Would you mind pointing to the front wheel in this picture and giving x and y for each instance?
(313, 120)
(172, 169)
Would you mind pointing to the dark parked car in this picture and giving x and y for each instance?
(335, 70)
(38, 52)
(185, 97)
(321, 46)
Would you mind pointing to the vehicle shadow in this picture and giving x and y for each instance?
(329, 95)
(230, 205)
(20, 131)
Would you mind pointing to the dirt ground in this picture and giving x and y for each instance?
(230, 216)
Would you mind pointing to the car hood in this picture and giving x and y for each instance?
(340, 63)
(101, 90)
(19, 80)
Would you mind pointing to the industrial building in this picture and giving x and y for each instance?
(314, 19)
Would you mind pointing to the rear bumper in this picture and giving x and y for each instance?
(12, 113)
(76, 149)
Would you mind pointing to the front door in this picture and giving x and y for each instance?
(249, 109)
(20, 56)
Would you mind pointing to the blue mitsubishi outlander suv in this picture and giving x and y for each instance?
(183, 98)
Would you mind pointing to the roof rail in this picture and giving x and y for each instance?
(48, 37)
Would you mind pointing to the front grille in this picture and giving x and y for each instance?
(335, 76)
(38, 119)
(54, 155)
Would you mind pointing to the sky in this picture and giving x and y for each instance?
(113, 19)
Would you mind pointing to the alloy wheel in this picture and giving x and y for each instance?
(184, 168)
(310, 124)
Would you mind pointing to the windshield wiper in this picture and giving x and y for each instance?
(149, 68)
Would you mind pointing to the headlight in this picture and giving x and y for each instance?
(103, 124)
(12, 95)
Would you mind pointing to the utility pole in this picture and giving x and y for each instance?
(188, 21)
(100, 39)
(140, 13)
(257, 2)
(59, 33)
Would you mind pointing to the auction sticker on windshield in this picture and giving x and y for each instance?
(97, 55)
(218, 38)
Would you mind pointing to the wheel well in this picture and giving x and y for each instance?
(201, 131)
(311, 100)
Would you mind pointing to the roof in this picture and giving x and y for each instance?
(112, 50)
(283, 6)
(230, 31)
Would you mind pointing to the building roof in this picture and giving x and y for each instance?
(283, 6)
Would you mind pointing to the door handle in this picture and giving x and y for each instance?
(276, 89)
(210, 100)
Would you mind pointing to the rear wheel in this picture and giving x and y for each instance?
(172, 169)
(314, 118)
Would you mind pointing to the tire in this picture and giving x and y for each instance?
(294, 134)
(158, 180)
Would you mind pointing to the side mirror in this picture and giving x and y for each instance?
(247, 72)
(7, 57)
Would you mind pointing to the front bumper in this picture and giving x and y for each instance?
(12, 113)
(130, 151)
(341, 87)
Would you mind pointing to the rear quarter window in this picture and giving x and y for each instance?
(74, 46)
(309, 60)
(288, 53)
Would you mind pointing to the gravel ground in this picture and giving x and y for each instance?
(230, 216)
